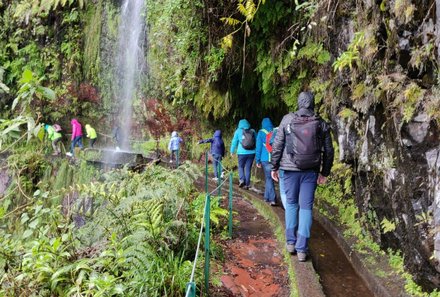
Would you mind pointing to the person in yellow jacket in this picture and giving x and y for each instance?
(55, 137)
(91, 133)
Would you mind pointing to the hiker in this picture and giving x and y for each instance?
(262, 159)
(76, 137)
(303, 149)
(174, 145)
(117, 137)
(54, 135)
(243, 143)
(217, 151)
(91, 133)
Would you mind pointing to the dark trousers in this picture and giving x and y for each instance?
(244, 168)
(76, 141)
(300, 189)
(216, 159)
(92, 142)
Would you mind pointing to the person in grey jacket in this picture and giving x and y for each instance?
(302, 171)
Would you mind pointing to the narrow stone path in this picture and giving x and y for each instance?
(254, 264)
(253, 260)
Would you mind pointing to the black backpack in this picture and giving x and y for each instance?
(304, 141)
(248, 139)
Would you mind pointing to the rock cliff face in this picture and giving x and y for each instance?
(397, 178)
(391, 135)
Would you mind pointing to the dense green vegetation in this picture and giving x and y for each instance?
(74, 230)
(210, 64)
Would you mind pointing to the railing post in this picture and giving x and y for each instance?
(206, 172)
(192, 289)
(230, 205)
(207, 241)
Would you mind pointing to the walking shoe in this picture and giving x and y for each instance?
(246, 187)
(215, 179)
(69, 154)
(302, 257)
(290, 247)
(241, 184)
(273, 203)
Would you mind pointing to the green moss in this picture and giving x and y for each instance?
(92, 40)
(412, 97)
(359, 92)
(347, 113)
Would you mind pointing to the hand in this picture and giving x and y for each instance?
(274, 175)
(258, 165)
(321, 179)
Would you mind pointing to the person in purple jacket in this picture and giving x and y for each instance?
(217, 150)
(76, 137)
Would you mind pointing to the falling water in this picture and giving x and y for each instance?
(130, 63)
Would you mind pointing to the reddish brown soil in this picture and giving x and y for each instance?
(253, 263)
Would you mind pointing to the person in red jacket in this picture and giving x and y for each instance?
(76, 137)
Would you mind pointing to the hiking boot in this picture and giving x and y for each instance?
(302, 257)
(241, 184)
(273, 203)
(246, 187)
(290, 247)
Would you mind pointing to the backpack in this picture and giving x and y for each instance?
(268, 143)
(248, 139)
(304, 141)
(57, 127)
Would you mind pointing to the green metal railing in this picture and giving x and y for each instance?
(206, 222)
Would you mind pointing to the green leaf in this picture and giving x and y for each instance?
(4, 87)
(27, 233)
(34, 224)
(27, 76)
(46, 92)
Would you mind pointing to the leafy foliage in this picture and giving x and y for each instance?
(128, 234)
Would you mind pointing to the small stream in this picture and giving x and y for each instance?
(338, 277)
(337, 274)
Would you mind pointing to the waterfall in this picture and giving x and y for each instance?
(130, 64)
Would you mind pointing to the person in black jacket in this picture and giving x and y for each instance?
(303, 149)
(217, 150)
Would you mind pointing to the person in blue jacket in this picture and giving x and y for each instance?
(174, 145)
(245, 156)
(217, 150)
(262, 158)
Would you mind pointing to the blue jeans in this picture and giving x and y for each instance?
(282, 188)
(300, 189)
(216, 159)
(244, 168)
(75, 141)
(269, 188)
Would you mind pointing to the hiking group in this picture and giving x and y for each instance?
(298, 154)
(54, 134)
